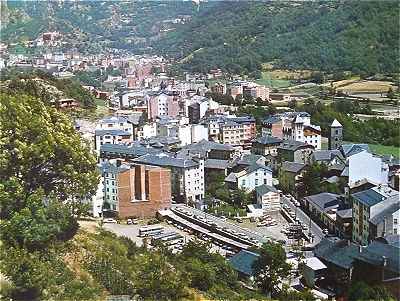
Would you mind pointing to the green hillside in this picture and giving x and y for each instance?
(361, 36)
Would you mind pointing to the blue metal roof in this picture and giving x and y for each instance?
(243, 262)
(369, 197)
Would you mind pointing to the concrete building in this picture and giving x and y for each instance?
(163, 104)
(113, 130)
(362, 165)
(187, 175)
(375, 213)
(295, 151)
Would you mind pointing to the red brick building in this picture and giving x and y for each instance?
(143, 190)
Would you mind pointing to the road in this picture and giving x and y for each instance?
(303, 217)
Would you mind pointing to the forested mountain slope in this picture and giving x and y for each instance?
(352, 35)
(360, 36)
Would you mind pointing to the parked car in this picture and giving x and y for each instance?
(109, 221)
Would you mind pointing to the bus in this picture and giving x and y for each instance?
(150, 230)
(163, 235)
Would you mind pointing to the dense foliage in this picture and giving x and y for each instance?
(271, 267)
(361, 36)
(46, 171)
(36, 83)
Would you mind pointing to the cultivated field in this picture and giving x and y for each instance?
(360, 86)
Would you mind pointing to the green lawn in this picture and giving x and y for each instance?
(385, 150)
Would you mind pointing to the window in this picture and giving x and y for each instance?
(265, 181)
(395, 221)
(394, 230)
(256, 182)
(243, 182)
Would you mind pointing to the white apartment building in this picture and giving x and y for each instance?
(113, 130)
(365, 166)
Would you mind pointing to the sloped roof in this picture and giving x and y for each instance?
(369, 197)
(326, 155)
(263, 189)
(249, 159)
(231, 178)
(243, 262)
(267, 140)
(133, 150)
(374, 253)
(352, 149)
(378, 218)
(345, 213)
(112, 132)
(324, 200)
(338, 252)
(292, 166)
(113, 119)
(314, 263)
(293, 145)
(336, 124)
(163, 159)
(216, 164)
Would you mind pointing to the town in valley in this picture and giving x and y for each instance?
(133, 169)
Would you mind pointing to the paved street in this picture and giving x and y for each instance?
(303, 217)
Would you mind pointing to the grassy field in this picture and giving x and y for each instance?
(269, 81)
(385, 150)
(378, 149)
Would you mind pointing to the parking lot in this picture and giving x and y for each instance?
(272, 232)
(132, 232)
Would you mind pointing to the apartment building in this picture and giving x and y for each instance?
(113, 130)
(143, 190)
(187, 175)
(362, 165)
(375, 213)
(233, 130)
(163, 104)
(268, 198)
